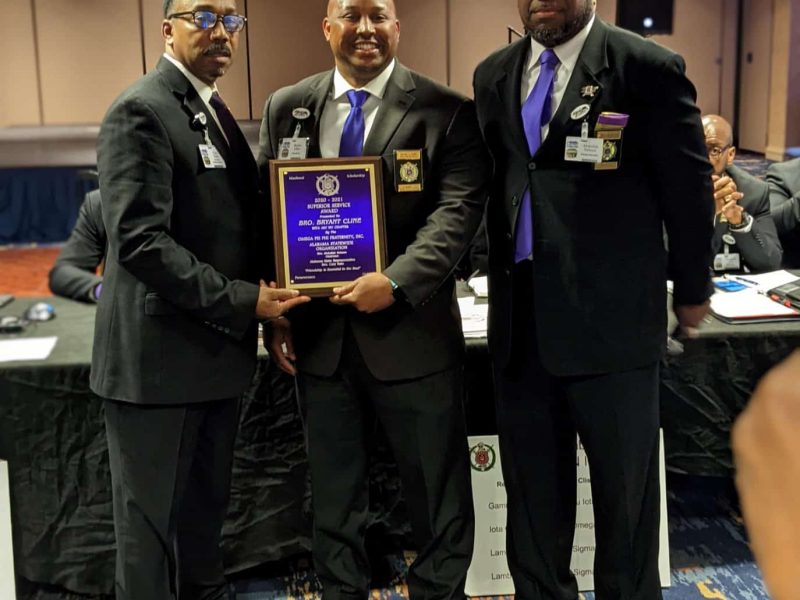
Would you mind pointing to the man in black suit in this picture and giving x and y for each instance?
(598, 147)
(744, 233)
(175, 335)
(784, 198)
(388, 345)
(74, 274)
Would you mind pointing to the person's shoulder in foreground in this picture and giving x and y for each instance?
(766, 449)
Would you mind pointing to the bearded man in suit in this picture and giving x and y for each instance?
(577, 282)
(175, 334)
(387, 345)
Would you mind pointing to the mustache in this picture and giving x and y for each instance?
(217, 50)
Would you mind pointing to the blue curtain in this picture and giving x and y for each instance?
(40, 204)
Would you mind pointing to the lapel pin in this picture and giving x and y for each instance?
(579, 112)
(199, 120)
(589, 91)
(301, 113)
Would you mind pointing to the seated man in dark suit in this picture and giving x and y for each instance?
(74, 274)
(784, 199)
(744, 234)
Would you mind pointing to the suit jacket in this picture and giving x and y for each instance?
(784, 198)
(74, 274)
(175, 322)
(759, 247)
(426, 232)
(599, 263)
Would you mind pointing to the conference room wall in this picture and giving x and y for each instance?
(89, 51)
(19, 95)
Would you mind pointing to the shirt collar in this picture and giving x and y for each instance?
(567, 52)
(376, 87)
(203, 90)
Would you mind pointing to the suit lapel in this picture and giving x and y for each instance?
(397, 100)
(508, 87)
(591, 61)
(193, 105)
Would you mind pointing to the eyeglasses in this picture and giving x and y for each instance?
(205, 19)
(715, 151)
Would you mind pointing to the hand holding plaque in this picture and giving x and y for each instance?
(328, 222)
(273, 302)
(369, 293)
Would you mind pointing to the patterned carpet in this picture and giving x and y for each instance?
(709, 554)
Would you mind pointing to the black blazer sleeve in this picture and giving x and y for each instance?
(682, 178)
(74, 273)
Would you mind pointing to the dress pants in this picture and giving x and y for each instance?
(170, 476)
(424, 423)
(617, 417)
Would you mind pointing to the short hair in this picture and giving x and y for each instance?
(167, 8)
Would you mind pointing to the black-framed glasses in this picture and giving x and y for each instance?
(715, 151)
(205, 19)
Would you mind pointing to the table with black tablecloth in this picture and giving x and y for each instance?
(52, 435)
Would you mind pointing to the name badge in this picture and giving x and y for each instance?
(408, 170)
(727, 261)
(211, 157)
(293, 148)
(580, 149)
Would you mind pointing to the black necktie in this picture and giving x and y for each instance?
(228, 122)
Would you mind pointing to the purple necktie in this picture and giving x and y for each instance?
(228, 122)
(353, 132)
(535, 114)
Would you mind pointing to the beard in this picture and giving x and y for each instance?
(550, 37)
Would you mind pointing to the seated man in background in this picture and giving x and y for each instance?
(74, 274)
(744, 233)
(767, 453)
(784, 200)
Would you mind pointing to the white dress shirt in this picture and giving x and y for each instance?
(567, 54)
(337, 108)
(203, 90)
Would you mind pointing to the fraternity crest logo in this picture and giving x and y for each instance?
(482, 457)
(328, 185)
(409, 172)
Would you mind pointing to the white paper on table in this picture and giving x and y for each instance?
(765, 281)
(479, 285)
(748, 304)
(27, 348)
(473, 317)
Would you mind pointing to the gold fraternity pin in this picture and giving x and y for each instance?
(589, 91)
(408, 170)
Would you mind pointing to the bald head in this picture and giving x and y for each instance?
(718, 128)
(719, 142)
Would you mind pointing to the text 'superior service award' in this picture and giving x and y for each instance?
(328, 221)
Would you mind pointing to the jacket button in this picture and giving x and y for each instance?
(507, 272)
(531, 166)
(227, 330)
(514, 200)
(508, 236)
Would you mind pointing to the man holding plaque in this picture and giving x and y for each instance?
(175, 334)
(598, 149)
(386, 344)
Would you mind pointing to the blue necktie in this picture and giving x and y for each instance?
(535, 114)
(353, 133)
